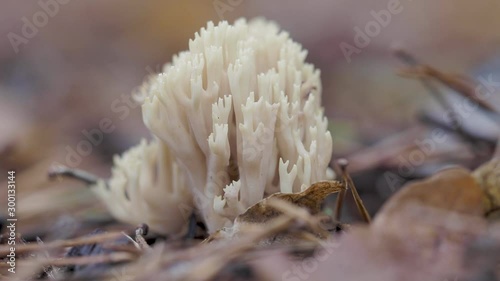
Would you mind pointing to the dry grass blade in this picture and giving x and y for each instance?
(298, 214)
(98, 238)
(209, 267)
(254, 233)
(85, 260)
(81, 175)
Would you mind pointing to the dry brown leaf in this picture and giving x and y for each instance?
(263, 212)
(310, 199)
(435, 217)
(453, 189)
(452, 192)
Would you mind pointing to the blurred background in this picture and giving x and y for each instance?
(67, 65)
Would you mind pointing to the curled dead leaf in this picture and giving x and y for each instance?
(310, 199)
(271, 207)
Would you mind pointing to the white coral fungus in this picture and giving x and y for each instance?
(147, 186)
(241, 114)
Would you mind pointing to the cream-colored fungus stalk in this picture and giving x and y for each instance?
(241, 113)
(147, 186)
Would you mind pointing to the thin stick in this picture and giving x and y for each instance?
(81, 175)
(339, 203)
(357, 199)
(409, 59)
(140, 232)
